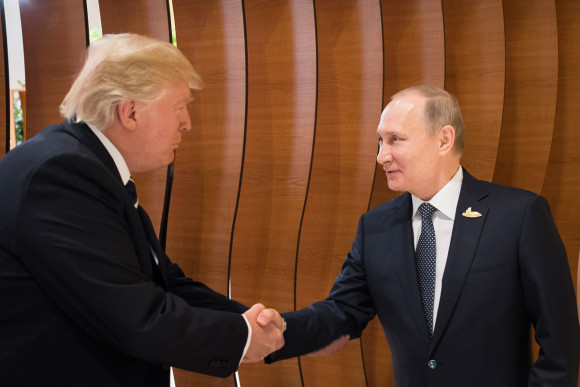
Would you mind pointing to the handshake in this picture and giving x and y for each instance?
(268, 335)
(267, 332)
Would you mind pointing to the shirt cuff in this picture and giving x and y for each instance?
(248, 340)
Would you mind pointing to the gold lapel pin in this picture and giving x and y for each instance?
(471, 214)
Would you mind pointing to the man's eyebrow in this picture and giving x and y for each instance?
(185, 101)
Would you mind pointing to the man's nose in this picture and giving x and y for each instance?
(384, 154)
(185, 125)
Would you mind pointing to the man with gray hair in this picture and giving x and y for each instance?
(458, 270)
(88, 296)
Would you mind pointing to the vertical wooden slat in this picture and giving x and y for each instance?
(413, 43)
(280, 130)
(350, 92)
(50, 27)
(530, 93)
(475, 74)
(562, 182)
(144, 17)
(414, 53)
(207, 171)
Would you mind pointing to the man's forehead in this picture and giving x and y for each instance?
(403, 108)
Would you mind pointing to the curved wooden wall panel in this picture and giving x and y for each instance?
(414, 53)
(475, 74)
(280, 130)
(350, 92)
(562, 181)
(414, 46)
(207, 169)
(530, 93)
(50, 27)
(145, 17)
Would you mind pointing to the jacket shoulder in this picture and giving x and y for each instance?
(393, 204)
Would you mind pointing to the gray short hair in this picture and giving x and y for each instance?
(124, 67)
(441, 108)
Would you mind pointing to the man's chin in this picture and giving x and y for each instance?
(395, 186)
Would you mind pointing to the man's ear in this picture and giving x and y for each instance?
(446, 139)
(127, 114)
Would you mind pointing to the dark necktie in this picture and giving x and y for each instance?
(132, 191)
(426, 255)
(148, 228)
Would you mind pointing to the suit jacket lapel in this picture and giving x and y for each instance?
(464, 241)
(138, 221)
(404, 256)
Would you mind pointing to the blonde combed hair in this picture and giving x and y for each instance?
(441, 108)
(124, 67)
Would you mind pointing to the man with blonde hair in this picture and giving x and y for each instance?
(458, 270)
(88, 296)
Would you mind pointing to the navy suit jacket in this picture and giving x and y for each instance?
(506, 271)
(82, 302)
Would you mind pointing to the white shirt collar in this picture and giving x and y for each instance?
(115, 154)
(446, 199)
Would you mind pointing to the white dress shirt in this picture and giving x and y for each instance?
(446, 203)
(125, 176)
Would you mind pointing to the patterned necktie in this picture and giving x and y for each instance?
(132, 191)
(425, 255)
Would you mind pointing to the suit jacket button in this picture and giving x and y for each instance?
(432, 364)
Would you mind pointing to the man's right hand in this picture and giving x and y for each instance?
(265, 339)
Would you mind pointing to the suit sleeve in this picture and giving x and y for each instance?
(549, 297)
(73, 238)
(347, 309)
(193, 292)
(197, 294)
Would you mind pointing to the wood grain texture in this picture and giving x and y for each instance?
(562, 181)
(414, 53)
(414, 47)
(475, 74)
(350, 67)
(530, 93)
(144, 17)
(207, 170)
(280, 130)
(48, 28)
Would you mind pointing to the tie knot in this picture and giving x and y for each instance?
(132, 191)
(427, 210)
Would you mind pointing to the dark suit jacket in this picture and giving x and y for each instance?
(506, 270)
(82, 302)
